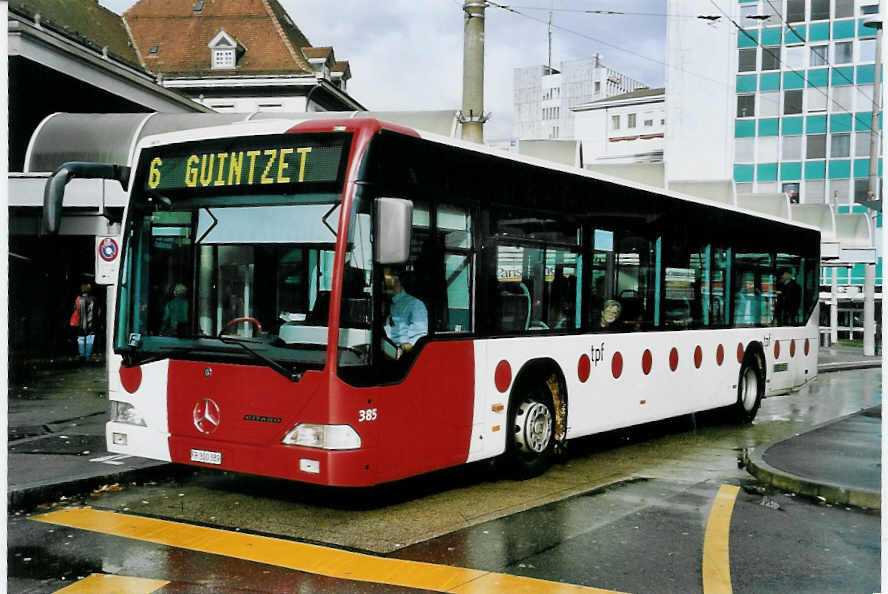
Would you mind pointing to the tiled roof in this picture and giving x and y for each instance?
(342, 66)
(85, 21)
(181, 36)
(317, 52)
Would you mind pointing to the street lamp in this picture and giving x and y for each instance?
(874, 202)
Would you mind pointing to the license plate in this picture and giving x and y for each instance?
(206, 456)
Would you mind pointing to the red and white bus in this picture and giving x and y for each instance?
(251, 304)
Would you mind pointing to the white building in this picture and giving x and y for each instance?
(543, 97)
(627, 128)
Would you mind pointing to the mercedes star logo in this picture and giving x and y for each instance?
(206, 416)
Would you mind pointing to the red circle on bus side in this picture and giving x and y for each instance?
(503, 376)
(776, 349)
(584, 367)
(698, 357)
(740, 353)
(807, 347)
(130, 378)
(792, 348)
(617, 365)
(673, 359)
(720, 355)
(647, 360)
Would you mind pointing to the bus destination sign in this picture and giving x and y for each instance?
(282, 160)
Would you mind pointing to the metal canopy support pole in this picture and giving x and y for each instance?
(869, 278)
(472, 115)
(834, 308)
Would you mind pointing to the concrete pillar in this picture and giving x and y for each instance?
(869, 310)
(834, 308)
(473, 71)
(869, 278)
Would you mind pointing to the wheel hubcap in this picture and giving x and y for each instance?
(749, 391)
(533, 429)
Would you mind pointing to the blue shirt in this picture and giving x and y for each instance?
(408, 320)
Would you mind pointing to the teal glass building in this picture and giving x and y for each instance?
(804, 90)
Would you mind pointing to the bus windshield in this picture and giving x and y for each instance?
(258, 274)
(240, 270)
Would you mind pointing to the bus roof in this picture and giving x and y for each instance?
(355, 120)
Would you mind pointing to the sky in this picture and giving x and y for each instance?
(407, 54)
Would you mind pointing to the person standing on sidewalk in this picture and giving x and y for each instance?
(85, 320)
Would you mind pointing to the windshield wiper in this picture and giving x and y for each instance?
(293, 376)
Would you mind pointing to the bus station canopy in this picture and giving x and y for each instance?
(112, 137)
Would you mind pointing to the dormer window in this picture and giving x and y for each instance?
(225, 51)
(223, 58)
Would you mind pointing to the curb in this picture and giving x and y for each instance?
(829, 491)
(28, 497)
(844, 366)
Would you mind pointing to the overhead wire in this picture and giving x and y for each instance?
(514, 10)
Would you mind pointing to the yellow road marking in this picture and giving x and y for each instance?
(716, 558)
(100, 583)
(303, 557)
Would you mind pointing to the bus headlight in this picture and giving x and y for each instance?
(124, 412)
(325, 437)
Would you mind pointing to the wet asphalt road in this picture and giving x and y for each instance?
(626, 511)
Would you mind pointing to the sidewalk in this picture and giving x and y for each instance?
(846, 469)
(56, 436)
(58, 410)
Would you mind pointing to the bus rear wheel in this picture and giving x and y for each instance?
(750, 389)
(531, 437)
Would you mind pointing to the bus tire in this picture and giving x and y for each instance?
(530, 444)
(750, 388)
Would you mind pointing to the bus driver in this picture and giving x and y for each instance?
(408, 319)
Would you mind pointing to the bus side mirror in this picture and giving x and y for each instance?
(394, 220)
(54, 191)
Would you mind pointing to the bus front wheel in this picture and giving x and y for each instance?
(750, 389)
(531, 436)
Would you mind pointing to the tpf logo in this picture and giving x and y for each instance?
(598, 354)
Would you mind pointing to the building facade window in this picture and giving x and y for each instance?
(819, 10)
(867, 50)
(615, 122)
(861, 144)
(819, 55)
(769, 105)
(795, 57)
(815, 192)
(745, 106)
(792, 101)
(816, 97)
(792, 148)
(746, 61)
(816, 146)
(840, 145)
(843, 52)
(844, 8)
(771, 58)
(795, 11)
(744, 150)
(630, 120)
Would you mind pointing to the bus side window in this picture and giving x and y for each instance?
(454, 227)
(636, 263)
